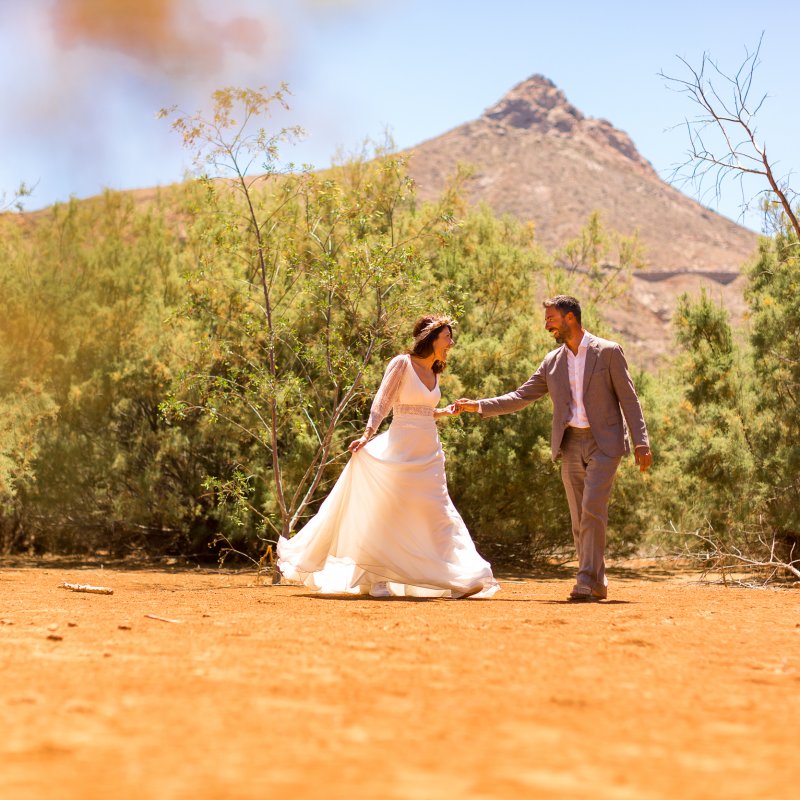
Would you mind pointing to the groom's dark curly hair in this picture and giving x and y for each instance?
(564, 303)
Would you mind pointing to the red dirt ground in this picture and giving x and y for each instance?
(672, 689)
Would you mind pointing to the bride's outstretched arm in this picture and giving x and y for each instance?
(384, 400)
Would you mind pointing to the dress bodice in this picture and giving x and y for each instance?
(413, 392)
(403, 390)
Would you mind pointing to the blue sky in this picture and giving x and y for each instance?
(89, 75)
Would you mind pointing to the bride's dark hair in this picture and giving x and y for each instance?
(426, 329)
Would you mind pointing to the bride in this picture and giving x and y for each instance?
(389, 527)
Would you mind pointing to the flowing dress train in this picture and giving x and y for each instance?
(390, 517)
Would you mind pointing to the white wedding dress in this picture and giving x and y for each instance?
(389, 518)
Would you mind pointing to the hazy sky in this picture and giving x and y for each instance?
(82, 80)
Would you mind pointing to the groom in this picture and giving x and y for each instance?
(588, 381)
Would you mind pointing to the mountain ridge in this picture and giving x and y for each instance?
(537, 157)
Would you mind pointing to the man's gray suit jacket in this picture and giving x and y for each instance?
(608, 393)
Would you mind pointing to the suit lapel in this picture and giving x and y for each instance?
(561, 395)
(562, 370)
(591, 361)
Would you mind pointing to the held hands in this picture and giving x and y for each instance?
(467, 405)
(643, 456)
(459, 407)
(448, 411)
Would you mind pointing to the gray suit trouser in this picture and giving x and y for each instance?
(588, 476)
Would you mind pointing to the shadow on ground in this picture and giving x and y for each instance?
(651, 569)
(647, 569)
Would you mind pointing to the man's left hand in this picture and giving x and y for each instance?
(643, 456)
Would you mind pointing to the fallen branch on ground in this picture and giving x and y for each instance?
(164, 619)
(761, 557)
(81, 587)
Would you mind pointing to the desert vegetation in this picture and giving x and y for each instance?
(180, 375)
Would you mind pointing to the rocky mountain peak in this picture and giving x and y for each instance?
(537, 104)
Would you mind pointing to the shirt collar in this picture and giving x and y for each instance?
(587, 339)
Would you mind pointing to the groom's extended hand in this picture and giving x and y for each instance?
(467, 405)
(643, 456)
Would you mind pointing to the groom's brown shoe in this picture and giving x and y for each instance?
(583, 594)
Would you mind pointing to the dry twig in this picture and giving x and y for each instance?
(82, 587)
(164, 619)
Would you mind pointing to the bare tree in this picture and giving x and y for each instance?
(723, 136)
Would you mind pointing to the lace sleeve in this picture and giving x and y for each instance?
(387, 393)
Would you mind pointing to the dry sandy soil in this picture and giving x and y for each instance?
(672, 689)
